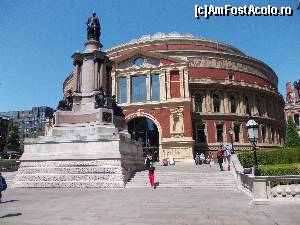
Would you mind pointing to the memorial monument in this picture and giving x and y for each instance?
(88, 145)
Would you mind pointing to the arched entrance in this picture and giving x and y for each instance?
(145, 131)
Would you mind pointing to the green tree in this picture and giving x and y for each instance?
(13, 141)
(292, 138)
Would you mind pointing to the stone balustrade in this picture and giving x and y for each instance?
(260, 187)
(290, 190)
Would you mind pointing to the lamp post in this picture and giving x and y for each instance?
(231, 132)
(252, 129)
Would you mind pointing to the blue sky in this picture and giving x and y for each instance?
(38, 37)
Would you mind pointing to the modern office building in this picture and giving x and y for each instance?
(30, 122)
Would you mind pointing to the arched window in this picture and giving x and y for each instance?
(216, 102)
(232, 104)
(296, 119)
(246, 101)
(198, 103)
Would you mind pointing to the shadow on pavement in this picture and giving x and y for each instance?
(10, 215)
(9, 201)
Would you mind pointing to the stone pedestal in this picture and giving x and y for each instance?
(87, 147)
(73, 161)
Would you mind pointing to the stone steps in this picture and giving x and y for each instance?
(70, 184)
(70, 174)
(71, 170)
(185, 177)
(69, 177)
(72, 163)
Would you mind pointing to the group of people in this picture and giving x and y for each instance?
(200, 158)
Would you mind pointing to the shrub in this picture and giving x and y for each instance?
(270, 157)
(280, 169)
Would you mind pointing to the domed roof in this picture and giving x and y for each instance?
(178, 39)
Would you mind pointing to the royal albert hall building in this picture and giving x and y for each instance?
(181, 94)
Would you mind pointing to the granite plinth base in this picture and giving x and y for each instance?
(103, 162)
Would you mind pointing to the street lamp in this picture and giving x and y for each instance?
(231, 132)
(252, 129)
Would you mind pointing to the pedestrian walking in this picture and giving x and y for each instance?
(151, 175)
(3, 185)
(220, 157)
(148, 160)
(228, 152)
(211, 159)
(197, 159)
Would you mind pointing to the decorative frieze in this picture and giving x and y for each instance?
(218, 63)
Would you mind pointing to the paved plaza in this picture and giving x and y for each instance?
(140, 206)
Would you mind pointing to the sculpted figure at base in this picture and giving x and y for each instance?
(67, 103)
(100, 98)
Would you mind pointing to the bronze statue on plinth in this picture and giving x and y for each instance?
(93, 28)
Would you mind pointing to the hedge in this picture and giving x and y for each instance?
(270, 157)
(280, 169)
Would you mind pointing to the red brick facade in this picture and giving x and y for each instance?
(203, 86)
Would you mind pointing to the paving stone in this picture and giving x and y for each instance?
(174, 206)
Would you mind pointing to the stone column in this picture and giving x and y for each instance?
(204, 100)
(76, 77)
(148, 86)
(162, 86)
(103, 80)
(208, 101)
(87, 75)
(77, 62)
(181, 78)
(226, 102)
(168, 84)
(186, 84)
(128, 88)
(96, 74)
(222, 98)
(242, 106)
(238, 111)
(113, 84)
